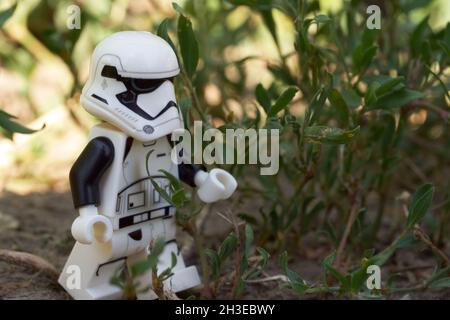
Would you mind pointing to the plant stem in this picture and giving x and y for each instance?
(378, 218)
(193, 93)
(198, 241)
(348, 228)
(420, 235)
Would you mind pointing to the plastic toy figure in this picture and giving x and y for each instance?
(130, 88)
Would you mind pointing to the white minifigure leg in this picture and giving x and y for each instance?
(143, 282)
(88, 272)
(184, 277)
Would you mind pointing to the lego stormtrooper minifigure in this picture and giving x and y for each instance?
(130, 88)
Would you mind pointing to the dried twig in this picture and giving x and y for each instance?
(278, 277)
(420, 235)
(29, 260)
(348, 228)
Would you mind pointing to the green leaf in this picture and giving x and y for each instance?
(179, 197)
(316, 105)
(371, 95)
(249, 236)
(418, 36)
(247, 218)
(296, 282)
(362, 57)
(173, 259)
(188, 45)
(264, 255)
(383, 256)
(185, 104)
(390, 85)
(389, 128)
(329, 260)
(442, 84)
(12, 126)
(405, 241)
(341, 106)
(350, 96)
(6, 14)
(420, 204)
(329, 135)
(337, 275)
(228, 246)
(174, 181)
(270, 24)
(254, 4)
(282, 74)
(162, 192)
(177, 8)
(214, 262)
(262, 96)
(166, 274)
(151, 262)
(357, 278)
(282, 260)
(163, 32)
(441, 283)
(396, 99)
(282, 102)
(369, 36)
(409, 5)
(328, 266)
(321, 18)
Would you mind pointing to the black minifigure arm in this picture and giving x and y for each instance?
(88, 169)
(187, 172)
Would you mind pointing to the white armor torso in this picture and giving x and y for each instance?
(127, 195)
(137, 200)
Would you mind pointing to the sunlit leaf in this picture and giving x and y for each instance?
(324, 134)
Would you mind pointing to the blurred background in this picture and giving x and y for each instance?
(243, 46)
(44, 65)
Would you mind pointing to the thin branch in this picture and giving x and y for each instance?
(348, 228)
(29, 260)
(420, 235)
(278, 277)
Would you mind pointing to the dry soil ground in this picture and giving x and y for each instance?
(39, 223)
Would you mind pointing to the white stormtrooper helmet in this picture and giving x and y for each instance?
(130, 85)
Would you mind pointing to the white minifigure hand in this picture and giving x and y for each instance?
(215, 185)
(90, 225)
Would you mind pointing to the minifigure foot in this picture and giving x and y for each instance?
(183, 279)
(147, 295)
